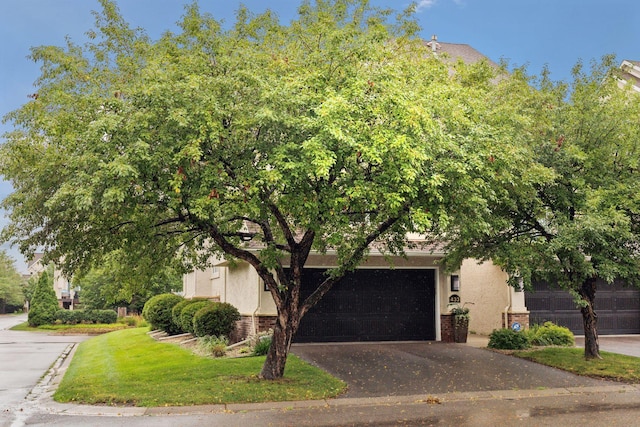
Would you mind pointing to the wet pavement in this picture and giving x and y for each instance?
(396, 369)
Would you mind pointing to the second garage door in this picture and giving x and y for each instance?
(617, 307)
(372, 305)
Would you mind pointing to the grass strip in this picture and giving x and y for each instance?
(129, 368)
(612, 366)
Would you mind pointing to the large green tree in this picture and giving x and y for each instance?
(119, 282)
(10, 283)
(332, 132)
(580, 220)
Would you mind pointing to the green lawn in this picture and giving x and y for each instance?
(129, 367)
(612, 366)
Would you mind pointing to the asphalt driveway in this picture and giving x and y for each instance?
(411, 368)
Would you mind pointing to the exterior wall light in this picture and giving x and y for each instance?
(455, 283)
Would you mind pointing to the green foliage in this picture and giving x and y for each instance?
(215, 346)
(333, 131)
(262, 346)
(177, 309)
(550, 334)
(115, 283)
(157, 311)
(617, 367)
(44, 304)
(73, 317)
(217, 319)
(11, 294)
(69, 317)
(507, 339)
(187, 315)
(135, 320)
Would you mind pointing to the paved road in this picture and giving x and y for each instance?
(24, 358)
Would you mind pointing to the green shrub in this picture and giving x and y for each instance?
(44, 304)
(105, 316)
(218, 318)
(73, 317)
(70, 317)
(550, 334)
(262, 346)
(213, 346)
(157, 311)
(177, 309)
(507, 339)
(187, 314)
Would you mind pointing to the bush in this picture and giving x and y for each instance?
(73, 317)
(262, 346)
(550, 334)
(507, 339)
(218, 318)
(68, 317)
(157, 311)
(105, 316)
(187, 314)
(177, 309)
(213, 346)
(44, 304)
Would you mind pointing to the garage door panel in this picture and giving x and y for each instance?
(371, 305)
(617, 306)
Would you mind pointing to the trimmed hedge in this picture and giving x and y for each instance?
(216, 319)
(177, 309)
(73, 317)
(157, 311)
(188, 312)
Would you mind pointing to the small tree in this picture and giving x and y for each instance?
(44, 303)
(10, 283)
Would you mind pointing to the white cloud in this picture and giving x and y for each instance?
(424, 4)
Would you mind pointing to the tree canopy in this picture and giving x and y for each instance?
(117, 283)
(582, 221)
(332, 132)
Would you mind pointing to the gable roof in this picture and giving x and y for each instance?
(456, 51)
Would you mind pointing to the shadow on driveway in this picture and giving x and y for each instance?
(409, 368)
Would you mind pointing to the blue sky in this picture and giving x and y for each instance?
(533, 32)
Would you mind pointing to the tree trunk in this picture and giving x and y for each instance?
(590, 319)
(283, 331)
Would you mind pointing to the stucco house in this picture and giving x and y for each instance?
(66, 295)
(406, 300)
(630, 74)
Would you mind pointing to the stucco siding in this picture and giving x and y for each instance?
(485, 286)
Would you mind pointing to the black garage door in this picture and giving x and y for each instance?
(617, 307)
(372, 305)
